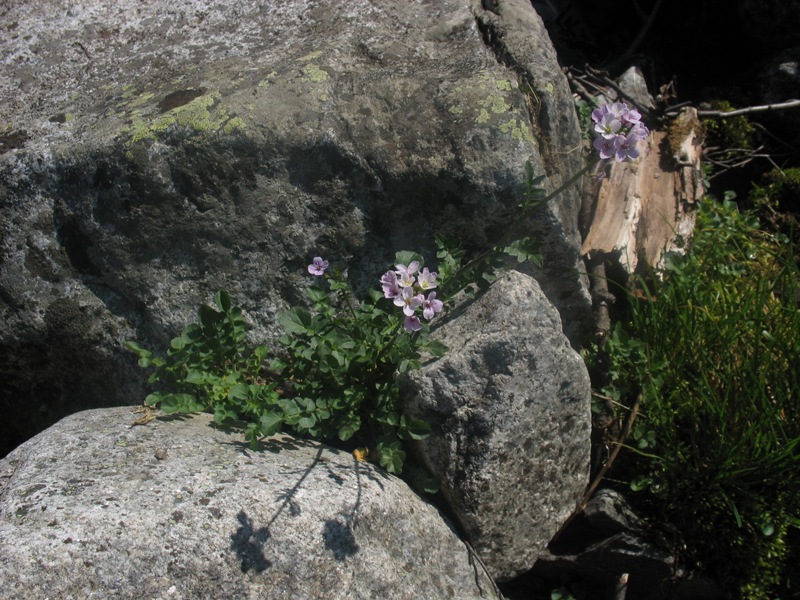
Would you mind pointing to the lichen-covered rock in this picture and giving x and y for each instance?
(96, 508)
(509, 405)
(153, 153)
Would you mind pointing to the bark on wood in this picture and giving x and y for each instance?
(646, 208)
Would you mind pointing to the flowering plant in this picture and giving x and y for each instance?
(407, 291)
(334, 377)
(619, 129)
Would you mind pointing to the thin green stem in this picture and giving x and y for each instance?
(509, 234)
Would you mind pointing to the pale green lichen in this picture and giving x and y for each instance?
(312, 72)
(492, 105)
(456, 110)
(518, 130)
(196, 114)
(234, 124)
(199, 115)
(496, 104)
(504, 85)
(311, 56)
(142, 100)
(268, 80)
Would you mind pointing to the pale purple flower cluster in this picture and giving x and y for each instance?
(406, 286)
(620, 129)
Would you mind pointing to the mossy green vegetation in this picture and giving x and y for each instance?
(776, 199)
(733, 133)
(712, 347)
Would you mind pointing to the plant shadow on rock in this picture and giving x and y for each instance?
(249, 540)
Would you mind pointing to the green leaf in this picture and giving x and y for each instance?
(406, 257)
(143, 353)
(209, 318)
(271, 423)
(436, 348)
(423, 481)
(523, 249)
(240, 392)
(296, 320)
(306, 422)
(153, 399)
(251, 433)
(223, 301)
(180, 403)
(390, 454)
(289, 407)
(198, 377)
(223, 415)
(347, 431)
(316, 294)
(415, 429)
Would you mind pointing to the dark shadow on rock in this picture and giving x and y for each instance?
(339, 538)
(248, 543)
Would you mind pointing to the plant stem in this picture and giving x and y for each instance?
(509, 233)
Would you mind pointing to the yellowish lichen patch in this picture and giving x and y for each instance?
(504, 85)
(311, 56)
(496, 104)
(141, 100)
(491, 105)
(456, 110)
(312, 72)
(200, 114)
(234, 124)
(518, 130)
(196, 114)
(268, 80)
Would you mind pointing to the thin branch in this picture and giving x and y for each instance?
(606, 467)
(721, 114)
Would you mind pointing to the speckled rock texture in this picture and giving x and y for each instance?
(96, 508)
(156, 152)
(509, 405)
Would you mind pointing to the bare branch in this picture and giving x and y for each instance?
(721, 114)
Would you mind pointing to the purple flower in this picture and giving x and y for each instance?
(626, 148)
(426, 280)
(318, 266)
(431, 305)
(607, 147)
(391, 287)
(409, 300)
(412, 323)
(620, 130)
(608, 125)
(406, 273)
(631, 117)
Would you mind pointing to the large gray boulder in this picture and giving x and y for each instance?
(153, 153)
(96, 508)
(509, 405)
